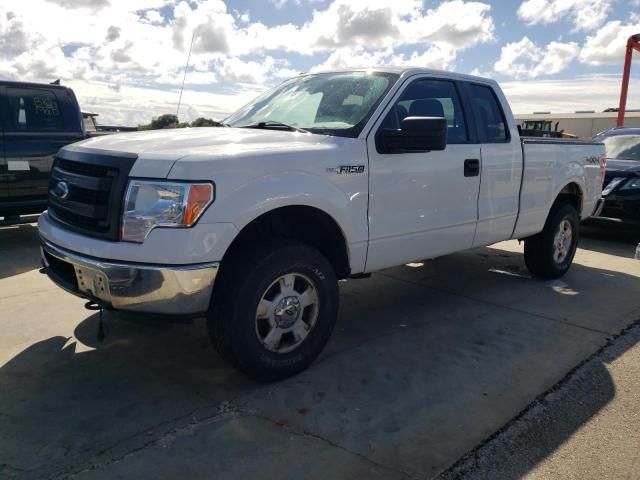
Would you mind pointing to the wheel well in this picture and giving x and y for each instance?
(306, 224)
(572, 194)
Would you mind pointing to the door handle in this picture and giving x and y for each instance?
(471, 167)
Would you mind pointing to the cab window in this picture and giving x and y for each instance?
(490, 118)
(430, 98)
(34, 110)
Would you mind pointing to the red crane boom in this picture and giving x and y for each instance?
(633, 43)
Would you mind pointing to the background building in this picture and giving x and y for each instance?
(582, 124)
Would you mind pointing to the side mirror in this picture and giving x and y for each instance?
(417, 134)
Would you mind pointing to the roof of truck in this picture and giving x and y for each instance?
(621, 131)
(16, 84)
(408, 70)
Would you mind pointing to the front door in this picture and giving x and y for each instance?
(423, 205)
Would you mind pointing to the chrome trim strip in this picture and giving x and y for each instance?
(168, 289)
(597, 211)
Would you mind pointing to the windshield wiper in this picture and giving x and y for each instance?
(274, 124)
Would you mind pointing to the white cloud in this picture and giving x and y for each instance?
(134, 45)
(135, 105)
(606, 46)
(131, 42)
(283, 3)
(153, 16)
(586, 15)
(437, 56)
(525, 59)
(89, 4)
(354, 57)
(374, 24)
(14, 40)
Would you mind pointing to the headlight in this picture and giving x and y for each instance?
(631, 184)
(155, 203)
(612, 184)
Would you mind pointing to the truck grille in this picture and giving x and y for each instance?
(86, 191)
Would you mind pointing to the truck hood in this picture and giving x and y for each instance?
(622, 168)
(158, 150)
(179, 142)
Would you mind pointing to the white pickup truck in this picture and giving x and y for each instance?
(328, 176)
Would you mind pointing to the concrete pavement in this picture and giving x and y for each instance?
(587, 427)
(426, 362)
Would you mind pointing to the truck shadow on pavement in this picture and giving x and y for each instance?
(426, 362)
(19, 249)
(610, 238)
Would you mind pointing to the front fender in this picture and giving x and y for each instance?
(345, 203)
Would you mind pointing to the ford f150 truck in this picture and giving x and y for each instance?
(328, 176)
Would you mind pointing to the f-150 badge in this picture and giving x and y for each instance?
(343, 169)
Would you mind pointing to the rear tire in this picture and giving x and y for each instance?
(549, 254)
(274, 309)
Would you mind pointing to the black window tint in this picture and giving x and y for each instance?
(622, 147)
(34, 109)
(430, 98)
(71, 117)
(491, 124)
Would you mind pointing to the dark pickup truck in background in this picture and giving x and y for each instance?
(37, 120)
(621, 189)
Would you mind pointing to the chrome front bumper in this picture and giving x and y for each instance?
(167, 289)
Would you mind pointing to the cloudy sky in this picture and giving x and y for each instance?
(125, 58)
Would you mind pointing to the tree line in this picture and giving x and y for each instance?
(169, 120)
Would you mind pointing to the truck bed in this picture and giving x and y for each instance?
(548, 161)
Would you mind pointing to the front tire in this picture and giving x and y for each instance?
(549, 254)
(275, 309)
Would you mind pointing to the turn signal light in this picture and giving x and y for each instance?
(199, 197)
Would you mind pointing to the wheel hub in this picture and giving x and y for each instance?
(562, 241)
(287, 312)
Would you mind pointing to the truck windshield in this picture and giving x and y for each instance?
(621, 147)
(327, 103)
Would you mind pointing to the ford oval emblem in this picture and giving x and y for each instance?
(61, 190)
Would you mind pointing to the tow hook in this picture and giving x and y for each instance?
(94, 307)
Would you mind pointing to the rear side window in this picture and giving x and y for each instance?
(39, 110)
(430, 98)
(492, 127)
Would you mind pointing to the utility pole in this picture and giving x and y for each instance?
(633, 43)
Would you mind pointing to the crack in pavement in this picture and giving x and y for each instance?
(4, 297)
(309, 434)
(224, 410)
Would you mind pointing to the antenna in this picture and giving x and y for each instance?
(186, 67)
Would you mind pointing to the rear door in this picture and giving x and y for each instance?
(39, 122)
(501, 155)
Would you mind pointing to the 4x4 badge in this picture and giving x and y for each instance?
(343, 169)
